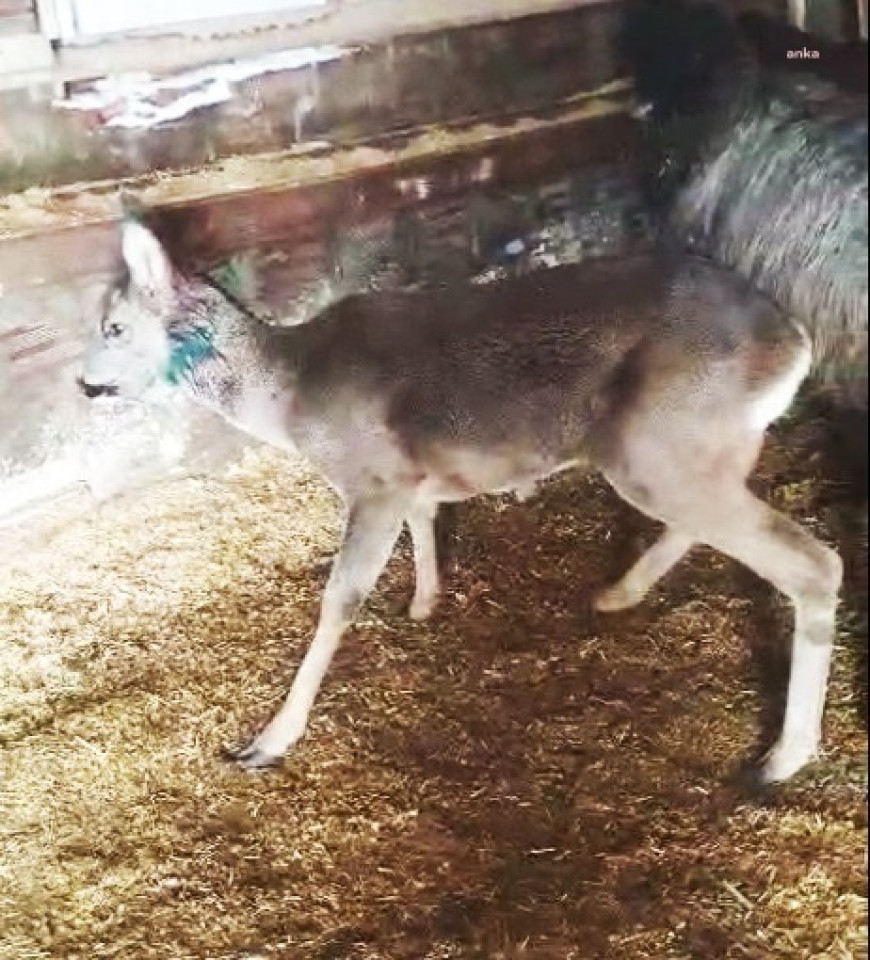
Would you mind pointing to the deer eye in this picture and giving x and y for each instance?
(113, 330)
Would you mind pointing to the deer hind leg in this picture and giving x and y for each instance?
(421, 523)
(675, 541)
(671, 546)
(809, 574)
(714, 507)
(370, 533)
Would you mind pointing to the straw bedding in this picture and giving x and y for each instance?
(514, 779)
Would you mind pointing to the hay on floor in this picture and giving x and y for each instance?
(514, 779)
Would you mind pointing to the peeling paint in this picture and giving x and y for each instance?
(138, 100)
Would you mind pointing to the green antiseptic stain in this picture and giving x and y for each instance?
(188, 351)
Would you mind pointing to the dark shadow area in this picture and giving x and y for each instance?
(836, 433)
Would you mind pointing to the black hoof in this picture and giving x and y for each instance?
(251, 757)
(749, 779)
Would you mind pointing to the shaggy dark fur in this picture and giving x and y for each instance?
(766, 174)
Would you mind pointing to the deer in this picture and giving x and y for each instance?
(657, 369)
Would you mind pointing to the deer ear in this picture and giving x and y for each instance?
(149, 266)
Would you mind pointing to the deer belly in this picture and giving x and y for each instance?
(461, 475)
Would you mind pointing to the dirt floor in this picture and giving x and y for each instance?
(515, 779)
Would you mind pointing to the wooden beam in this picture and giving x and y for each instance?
(205, 222)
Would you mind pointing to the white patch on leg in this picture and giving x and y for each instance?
(801, 732)
(427, 586)
(289, 724)
(422, 606)
(615, 598)
(772, 404)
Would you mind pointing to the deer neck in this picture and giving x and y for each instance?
(216, 350)
(220, 356)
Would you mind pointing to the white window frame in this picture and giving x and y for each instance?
(69, 22)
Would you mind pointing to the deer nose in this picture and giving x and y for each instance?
(91, 390)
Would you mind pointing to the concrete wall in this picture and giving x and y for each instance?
(17, 16)
(417, 80)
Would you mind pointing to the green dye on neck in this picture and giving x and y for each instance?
(188, 351)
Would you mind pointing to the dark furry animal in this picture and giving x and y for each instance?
(765, 172)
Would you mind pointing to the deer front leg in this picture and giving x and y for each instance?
(370, 533)
(664, 554)
(421, 522)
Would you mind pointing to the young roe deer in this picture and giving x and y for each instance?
(662, 373)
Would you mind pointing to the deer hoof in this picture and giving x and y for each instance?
(615, 598)
(421, 608)
(785, 760)
(253, 757)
